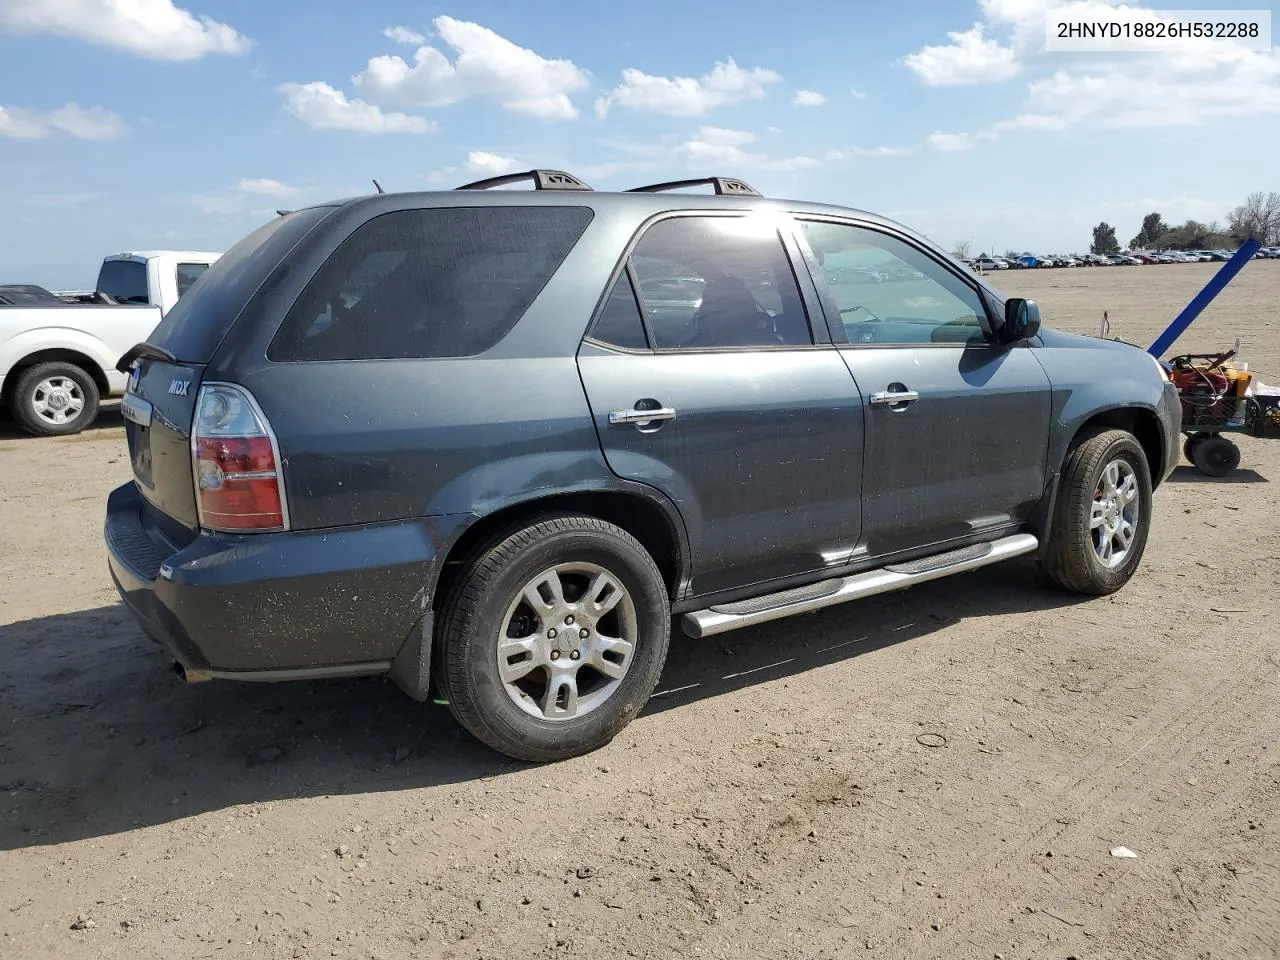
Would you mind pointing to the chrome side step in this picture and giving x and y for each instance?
(897, 576)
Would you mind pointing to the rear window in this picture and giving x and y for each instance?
(189, 273)
(443, 282)
(125, 281)
(192, 330)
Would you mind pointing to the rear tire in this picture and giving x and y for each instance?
(527, 660)
(54, 399)
(1102, 516)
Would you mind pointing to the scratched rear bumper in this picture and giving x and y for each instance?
(270, 602)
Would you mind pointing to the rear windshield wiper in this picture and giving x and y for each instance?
(144, 350)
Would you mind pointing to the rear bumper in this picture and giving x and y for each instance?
(274, 606)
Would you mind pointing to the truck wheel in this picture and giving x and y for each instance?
(55, 399)
(1215, 456)
(1102, 516)
(553, 638)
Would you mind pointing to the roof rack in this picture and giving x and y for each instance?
(542, 180)
(724, 186)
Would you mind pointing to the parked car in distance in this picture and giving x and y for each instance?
(991, 263)
(449, 437)
(58, 359)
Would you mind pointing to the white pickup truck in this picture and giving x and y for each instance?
(58, 359)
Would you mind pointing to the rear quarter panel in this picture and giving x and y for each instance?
(369, 441)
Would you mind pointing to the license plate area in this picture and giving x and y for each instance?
(136, 409)
(138, 415)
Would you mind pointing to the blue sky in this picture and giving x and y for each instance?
(188, 125)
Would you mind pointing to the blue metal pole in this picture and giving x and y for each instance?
(1204, 298)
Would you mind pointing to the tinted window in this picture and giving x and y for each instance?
(125, 281)
(192, 330)
(887, 291)
(718, 282)
(446, 282)
(189, 273)
(620, 323)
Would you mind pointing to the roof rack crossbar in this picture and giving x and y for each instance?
(724, 186)
(542, 180)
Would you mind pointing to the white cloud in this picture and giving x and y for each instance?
(970, 58)
(808, 98)
(148, 28)
(955, 142)
(410, 38)
(857, 94)
(722, 152)
(1201, 82)
(486, 65)
(83, 123)
(847, 153)
(480, 161)
(22, 124)
(688, 96)
(264, 187)
(321, 106)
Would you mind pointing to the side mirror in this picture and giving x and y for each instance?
(1021, 320)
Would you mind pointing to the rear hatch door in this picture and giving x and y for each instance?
(158, 411)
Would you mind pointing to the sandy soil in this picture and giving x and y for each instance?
(937, 774)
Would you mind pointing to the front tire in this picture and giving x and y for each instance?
(1102, 516)
(55, 399)
(553, 638)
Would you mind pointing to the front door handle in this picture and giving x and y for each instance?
(894, 398)
(642, 417)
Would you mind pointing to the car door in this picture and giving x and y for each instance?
(706, 382)
(957, 425)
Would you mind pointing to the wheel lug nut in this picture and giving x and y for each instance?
(555, 654)
(584, 633)
(569, 620)
(551, 634)
(574, 655)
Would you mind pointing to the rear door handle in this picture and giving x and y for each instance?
(642, 417)
(893, 398)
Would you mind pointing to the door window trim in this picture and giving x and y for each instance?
(786, 229)
(835, 327)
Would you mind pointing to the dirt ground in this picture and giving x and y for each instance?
(935, 774)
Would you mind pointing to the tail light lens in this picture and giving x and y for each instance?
(238, 474)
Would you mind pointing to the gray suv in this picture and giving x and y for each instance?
(489, 442)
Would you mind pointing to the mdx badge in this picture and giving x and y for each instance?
(179, 387)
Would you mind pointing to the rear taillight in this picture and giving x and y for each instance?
(238, 475)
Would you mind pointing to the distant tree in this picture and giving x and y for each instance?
(1258, 218)
(1011, 254)
(1194, 235)
(961, 249)
(1153, 228)
(1104, 240)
